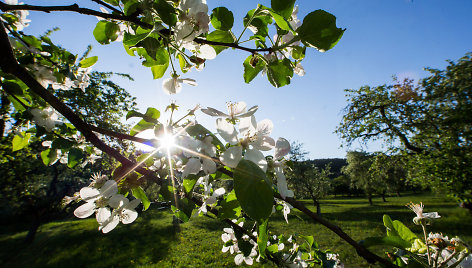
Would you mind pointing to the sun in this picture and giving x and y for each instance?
(167, 141)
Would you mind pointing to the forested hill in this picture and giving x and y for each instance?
(336, 165)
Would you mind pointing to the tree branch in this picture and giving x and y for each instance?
(86, 11)
(400, 135)
(361, 251)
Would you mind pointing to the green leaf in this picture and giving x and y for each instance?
(158, 71)
(146, 158)
(230, 208)
(179, 214)
(200, 132)
(12, 87)
(61, 143)
(85, 63)
(253, 190)
(298, 53)
(20, 141)
(74, 157)
(279, 72)
(151, 115)
(319, 30)
(262, 237)
(131, 40)
(49, 156)
(113, 2)
(394, 241)
(252, 66)
(222, 18)
(166, 12)
(280, 21)
(130, 7)
(141, 126)
(138, 192)
(283, 7)
(184, 66)
(105, 32)
(220, 36)
(189, 182)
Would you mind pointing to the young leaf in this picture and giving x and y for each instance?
(189, 182)
(158, 71)
(279, 72)
(85, 63)
(20, 142)
(319, 30)
(222, 18)
(138, 192)
(49, 156)
(253, 191)
(230, 208)
(220, 36)
(283, 7)
(105, 32)
(74, 157)
(141, 126)
(262, 237)
(252, 66)
(166, 12)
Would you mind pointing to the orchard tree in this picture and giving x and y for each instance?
(187, 160)
(28, 189)
(429, 123)
(392, 170)
(358, 171)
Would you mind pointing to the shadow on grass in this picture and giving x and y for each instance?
(79, 244)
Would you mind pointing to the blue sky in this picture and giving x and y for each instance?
(382, 39)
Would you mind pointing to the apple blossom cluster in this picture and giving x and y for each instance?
(253, 139)
(231, 244)
(47, 117)
(101, 197)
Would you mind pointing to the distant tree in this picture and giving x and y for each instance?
(392, 170)
(306, 179)
(429, 123)
(358, 170)
(341, 185)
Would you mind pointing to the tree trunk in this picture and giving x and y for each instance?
(398, 193)
(383, 197)
(467, 205)
(317, 205)
(36, 222)
(370, 199)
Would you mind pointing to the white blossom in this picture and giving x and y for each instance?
(173, 85)
(421, 217)
(123, 211)
(46, 118)
(96, 199)
(236, 111)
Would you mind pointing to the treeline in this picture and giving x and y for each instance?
(359, 174)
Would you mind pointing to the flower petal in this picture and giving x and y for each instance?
(213, 112)
(109, 188)
(110, 224)
(208, 165)
(247, 126)
(232, 156)
(188, 81)
(264, 127)
(85, 210)
(103, 214)
(128, 216)
(250, 112)
(238, 259)
(89, 194)
(227, 131)
(118, 201)
(193, 166)
(282, 148)
(257, 157)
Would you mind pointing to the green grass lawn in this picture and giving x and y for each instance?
(152, 241)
